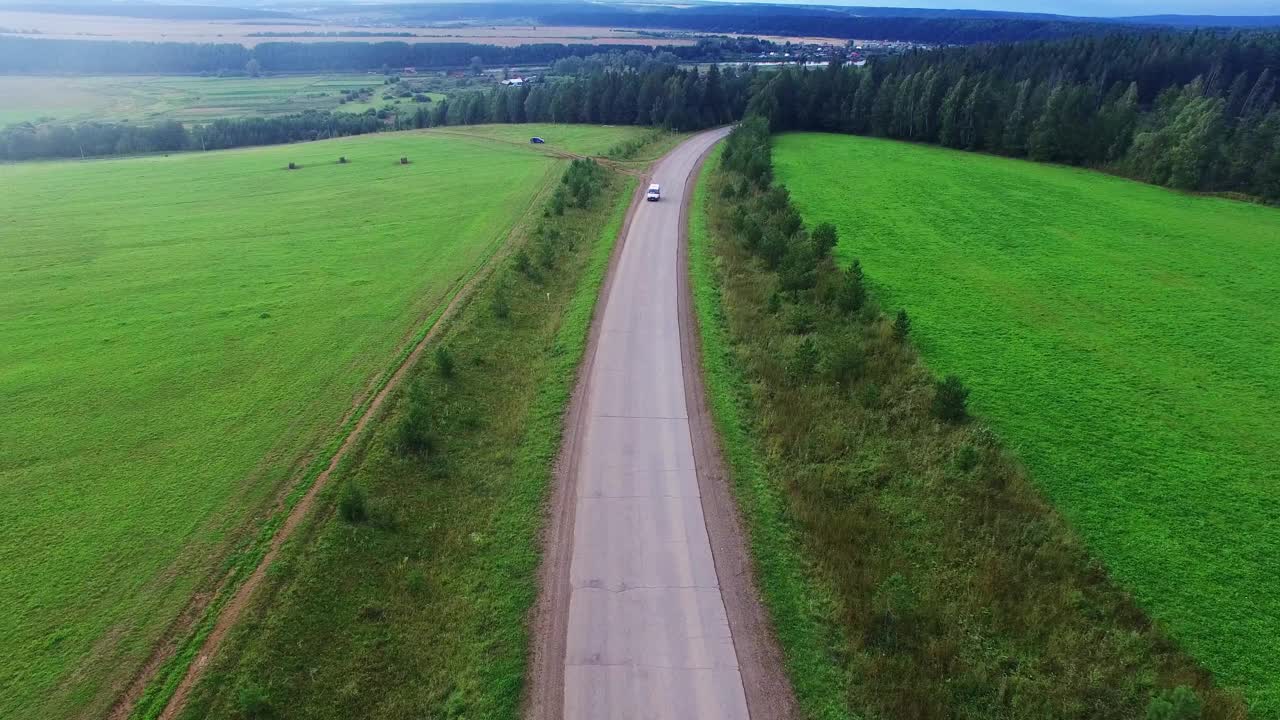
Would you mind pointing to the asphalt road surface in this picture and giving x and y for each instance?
(647, 631)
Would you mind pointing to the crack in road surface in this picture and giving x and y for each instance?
(628, 511)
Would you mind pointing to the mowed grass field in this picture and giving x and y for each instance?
(183, 335)
(581, 139)
(28, 98)
(1124, 339)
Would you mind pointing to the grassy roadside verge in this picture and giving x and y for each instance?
(418, 609)
(911, 568)
(802, 612)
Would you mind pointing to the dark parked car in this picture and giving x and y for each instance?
(536, 140)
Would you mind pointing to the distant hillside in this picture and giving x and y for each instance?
(959, 27)
(1205, 21)
(1181, 21)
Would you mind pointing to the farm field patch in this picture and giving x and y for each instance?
(253, 32)
(1124, 339)
(183, 336)
(29, 98)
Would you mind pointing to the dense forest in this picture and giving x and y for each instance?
(28, 55)
(665, 95)
(1193, 111)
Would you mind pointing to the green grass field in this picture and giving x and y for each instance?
(581, 139)
(183, 335)
(186, 98)
(1124, 339)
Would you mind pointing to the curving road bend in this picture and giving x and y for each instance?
(647, 632)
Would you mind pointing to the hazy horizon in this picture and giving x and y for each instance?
(1087, 8)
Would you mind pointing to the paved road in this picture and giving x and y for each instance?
(647, 633)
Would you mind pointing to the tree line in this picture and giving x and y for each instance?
(27, 141)
(662, 95)
(1193, 111)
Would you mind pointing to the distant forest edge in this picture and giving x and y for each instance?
(712, 17)
(39, 55)
(1193, 111)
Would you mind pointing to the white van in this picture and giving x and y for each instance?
(654, 194)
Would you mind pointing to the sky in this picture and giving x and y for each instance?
(1090, 8)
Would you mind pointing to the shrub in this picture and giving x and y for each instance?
(293, 166)
(950, 400)
(342, 160)
(804, 360)
(413, 433)
(444, 361)
(525, 267)
(353, 504)
(901, 325)
(559, 200)
(801, 320)
(501, 301)
(1179, 703)
(852, 294)
(843, 360)
(253, 703)
(416, 581)
(404, 161)
(798, 271)
(824, 238)
(546, 254)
